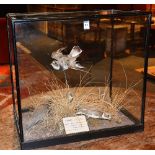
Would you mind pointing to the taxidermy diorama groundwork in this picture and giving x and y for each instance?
(63, 109)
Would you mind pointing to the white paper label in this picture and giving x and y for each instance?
(86, 25)
(75, 124)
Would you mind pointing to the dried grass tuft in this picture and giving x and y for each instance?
(84, 96)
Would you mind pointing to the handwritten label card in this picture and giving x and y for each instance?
(75, 124)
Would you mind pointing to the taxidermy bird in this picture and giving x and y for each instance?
(63, 62)
(89, 113)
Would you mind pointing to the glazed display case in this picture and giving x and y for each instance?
(75, 75)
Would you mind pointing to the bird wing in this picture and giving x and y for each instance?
(58, 54)
(55, 64)
(75, 52)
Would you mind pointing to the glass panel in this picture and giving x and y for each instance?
(129, 55)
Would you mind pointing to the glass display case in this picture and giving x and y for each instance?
(75, 74)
